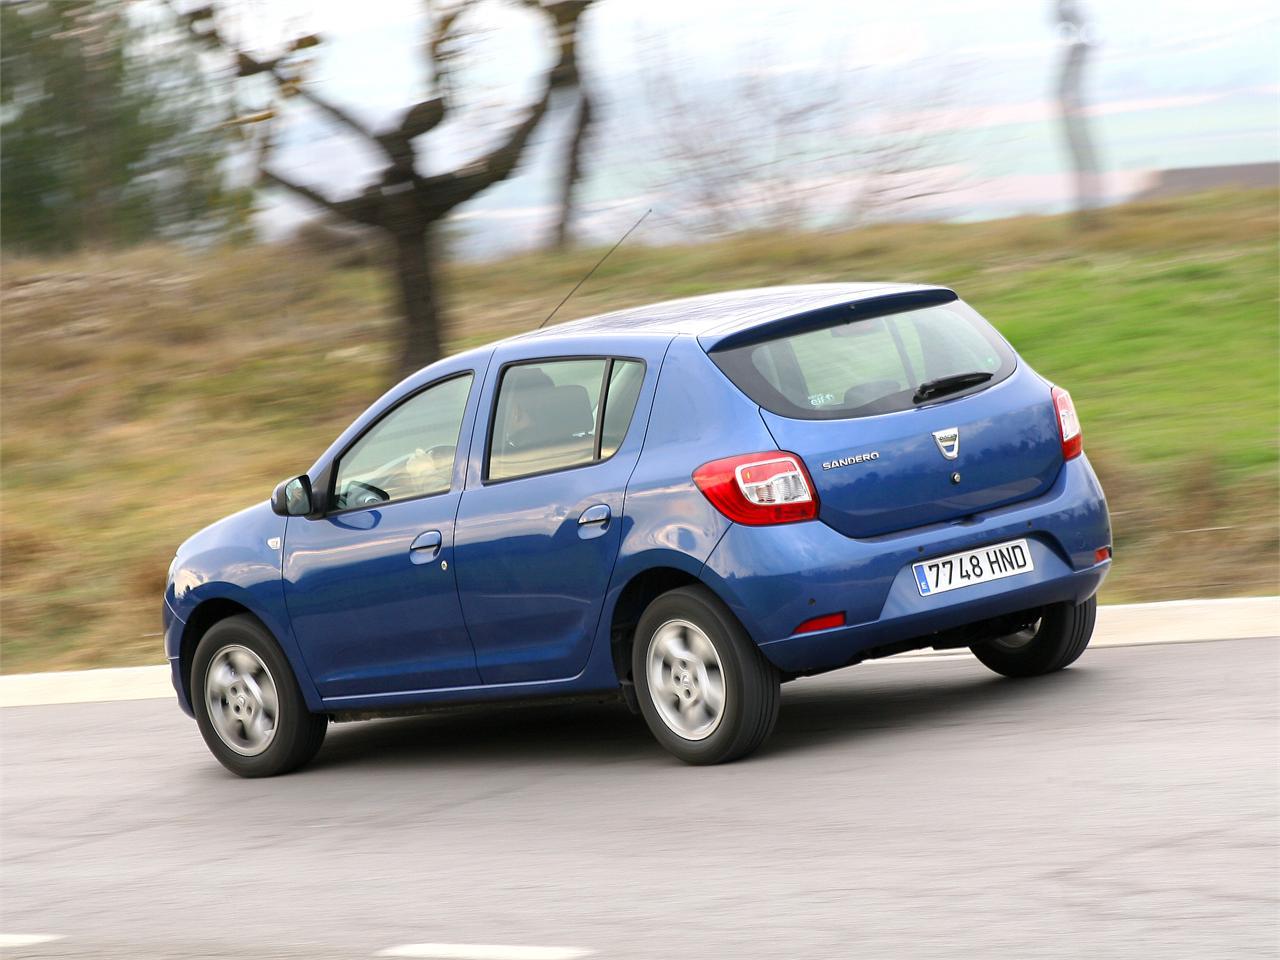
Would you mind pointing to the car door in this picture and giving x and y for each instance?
(370, 586)
(541, 517)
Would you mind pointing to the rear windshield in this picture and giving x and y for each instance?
(867, 367)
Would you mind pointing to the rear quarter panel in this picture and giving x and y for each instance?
(697, 415)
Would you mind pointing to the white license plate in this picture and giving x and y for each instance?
(995, 562)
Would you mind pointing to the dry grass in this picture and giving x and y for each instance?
(146, 393)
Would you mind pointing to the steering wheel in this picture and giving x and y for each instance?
(360, 494)
(442, 450)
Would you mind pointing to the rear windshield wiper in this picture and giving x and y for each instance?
(944, 385)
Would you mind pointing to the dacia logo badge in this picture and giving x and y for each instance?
(948, 441)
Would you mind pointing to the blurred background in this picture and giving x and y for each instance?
(227, 227)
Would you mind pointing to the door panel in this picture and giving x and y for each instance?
(371, 614)
(535, 552)
(371, 588)
(530, 576)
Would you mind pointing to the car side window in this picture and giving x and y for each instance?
(549, 415)
(408, 453)
(625, 381)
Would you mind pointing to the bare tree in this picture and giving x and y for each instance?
(567, 78)
(761, 145)
(406, 205)
(1073, 26)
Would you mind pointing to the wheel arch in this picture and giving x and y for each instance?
(205, 615)
(641, 590)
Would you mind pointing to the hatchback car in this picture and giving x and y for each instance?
(683, 505)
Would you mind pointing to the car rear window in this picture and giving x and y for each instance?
(867, 367)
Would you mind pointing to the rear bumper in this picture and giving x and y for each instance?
(775, 578)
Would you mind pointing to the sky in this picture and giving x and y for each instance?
(1177, 83)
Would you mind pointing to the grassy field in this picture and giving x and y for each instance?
(149, 392)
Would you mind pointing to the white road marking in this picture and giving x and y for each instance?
(483, 951)
(1119, 625)
(27, 939)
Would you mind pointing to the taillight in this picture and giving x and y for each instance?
(758, 489)
(1068, 424)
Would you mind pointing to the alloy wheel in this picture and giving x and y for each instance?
(240, 694)
(686, 679)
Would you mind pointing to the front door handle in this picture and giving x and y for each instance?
(425, 546)
(597, 514)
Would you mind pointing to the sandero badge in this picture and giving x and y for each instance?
(849, 461)
(648, 505)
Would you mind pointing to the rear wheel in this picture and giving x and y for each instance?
(706, 692)
(1055, 640)
(247, 702)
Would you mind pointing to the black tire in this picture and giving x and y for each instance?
(749, 682)
(1056, 641)
(296, 734)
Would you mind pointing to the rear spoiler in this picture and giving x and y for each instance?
(860, 309)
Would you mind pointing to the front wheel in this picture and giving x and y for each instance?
(247, 702)
(706, 692)
(1053, 641)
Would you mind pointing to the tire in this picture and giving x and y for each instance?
(247, 702)
(722, 665)
(1055, 641)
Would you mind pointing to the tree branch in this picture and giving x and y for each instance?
(443, 193)
(441, 44)
(200, 25)
(332, 110)
(572, 172)
(361, 209)
(422, 117)
(564, 16)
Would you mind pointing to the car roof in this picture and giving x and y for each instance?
(715, 316)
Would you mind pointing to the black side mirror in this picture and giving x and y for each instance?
(292, 498)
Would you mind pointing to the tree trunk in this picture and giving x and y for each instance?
(572, 171)
(1075, 130)
(420, 314)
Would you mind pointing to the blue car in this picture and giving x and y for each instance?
(682, 505)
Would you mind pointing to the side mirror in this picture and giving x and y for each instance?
(292, 498)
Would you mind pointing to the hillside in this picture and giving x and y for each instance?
(149, 392)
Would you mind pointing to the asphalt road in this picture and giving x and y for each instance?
(1127, 807)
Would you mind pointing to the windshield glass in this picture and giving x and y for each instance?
(868, 367)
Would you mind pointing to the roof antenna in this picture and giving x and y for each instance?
(595, 268)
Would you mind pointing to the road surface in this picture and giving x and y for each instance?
(1127, 807)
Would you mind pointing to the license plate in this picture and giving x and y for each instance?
(971, 567)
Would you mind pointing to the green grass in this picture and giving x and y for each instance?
(147, 393)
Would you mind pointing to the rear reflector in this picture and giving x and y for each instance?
(759, 489)
(1102, 553)
(1068, 424)
(824, 622)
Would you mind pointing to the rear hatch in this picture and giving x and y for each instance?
(885, 455)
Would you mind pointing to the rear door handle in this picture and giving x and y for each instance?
(594, 522)
(597, 514)
(426, 546)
